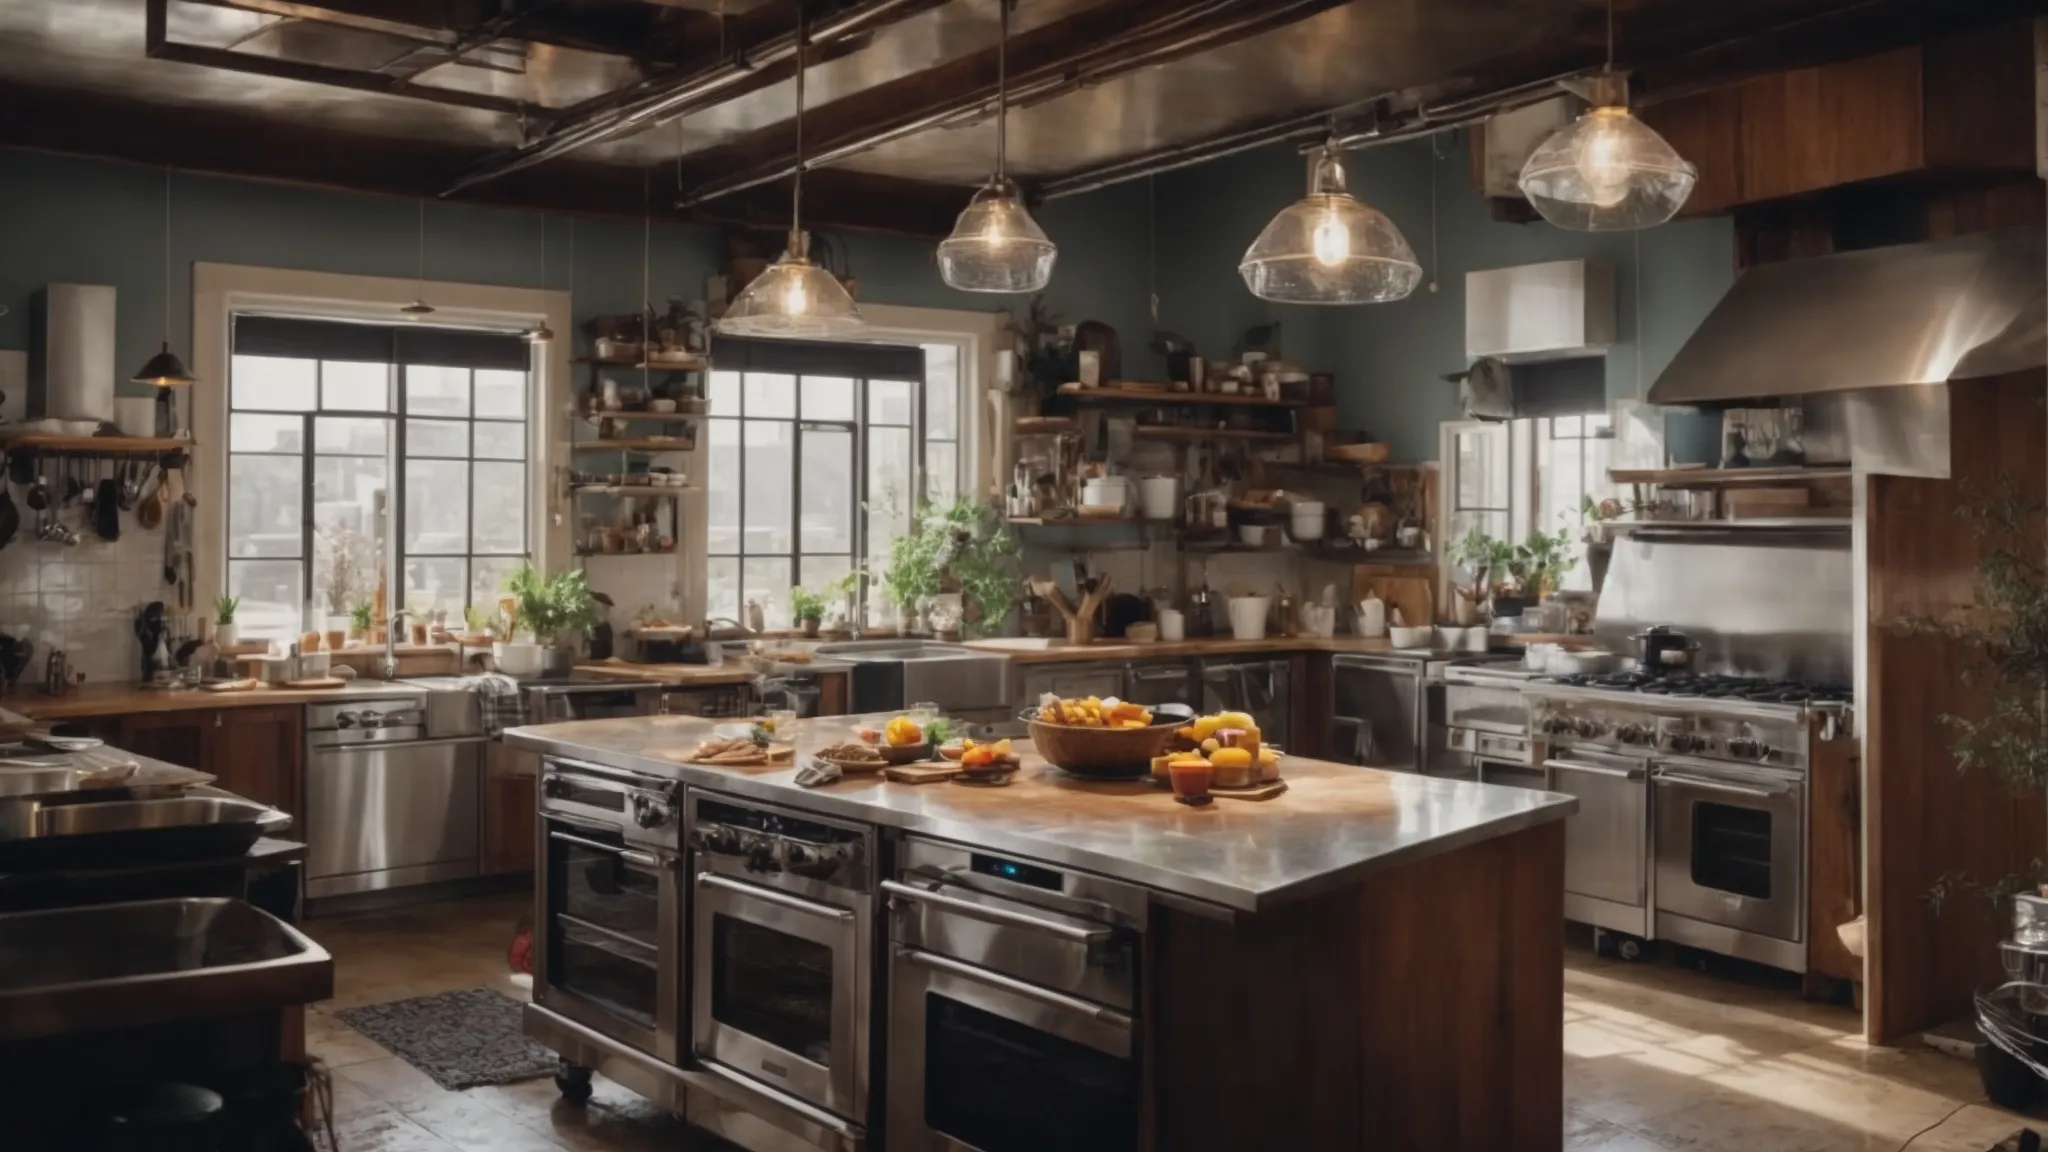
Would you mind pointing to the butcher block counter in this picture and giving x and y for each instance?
(1368, 960)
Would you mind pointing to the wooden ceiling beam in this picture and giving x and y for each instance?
(250, 145)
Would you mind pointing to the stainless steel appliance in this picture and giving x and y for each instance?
(1483, 733)
(1387, 710)
(713, 702)
(890, 675)
(591, 700)
(1071, 680)
(781, 940)
(387, 805)
(1013, 1004)
(1692, 795)
(611, 904)
(1162, 682)
(1258, 688)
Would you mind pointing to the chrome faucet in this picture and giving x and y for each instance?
(387, 668)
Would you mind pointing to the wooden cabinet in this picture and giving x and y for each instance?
(254, 752)
(509, 801)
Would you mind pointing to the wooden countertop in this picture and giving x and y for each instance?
(1063, 653)
(685, 675)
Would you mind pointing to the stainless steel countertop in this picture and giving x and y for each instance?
(1335, 824)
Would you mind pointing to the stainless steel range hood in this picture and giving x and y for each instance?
(1922, 313)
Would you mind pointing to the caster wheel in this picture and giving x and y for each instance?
(1619, 946)
(1629, 949)
(573, 1081)
(2010, 1084)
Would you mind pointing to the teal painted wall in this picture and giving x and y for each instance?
(1389, 357)
(73, 219)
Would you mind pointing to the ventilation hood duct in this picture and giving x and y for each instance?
(1923, 313)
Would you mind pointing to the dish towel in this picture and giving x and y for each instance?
(500, 701)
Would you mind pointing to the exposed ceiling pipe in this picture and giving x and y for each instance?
(1190, 29)
(656, 100)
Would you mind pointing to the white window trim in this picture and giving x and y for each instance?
(221, 290)
(981, 334)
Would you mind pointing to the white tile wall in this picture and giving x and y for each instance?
(84, 599)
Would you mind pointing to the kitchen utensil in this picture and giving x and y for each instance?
(1080, 620)
(1172, 625)
(1662, 648)
(1107, 753)
(1407, 637)
(106, 510)
(1248, 617)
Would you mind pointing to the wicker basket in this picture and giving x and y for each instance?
(1107, 752)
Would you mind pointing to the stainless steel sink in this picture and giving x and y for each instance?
(894, 674)
(111, 966)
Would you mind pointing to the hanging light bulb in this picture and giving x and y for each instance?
(794, 297)
(540, 333)
(996, 246)
(1607, 171)
(165, 370)
(1329, 248)
(419, 306)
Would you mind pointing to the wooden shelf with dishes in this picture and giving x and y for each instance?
(1193, 435)
(107, 445)
(1126, 393)
(695, 362)
(1704, 477)
(639, 416)
(669, 490)
(648, 444)
(586, 554)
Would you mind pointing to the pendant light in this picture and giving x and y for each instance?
(1607, 171)
(541, 333)
(419, 307)
(996, 246)
(1330, 248)
(165, 370)
(794, 297)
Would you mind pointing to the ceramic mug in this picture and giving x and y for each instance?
(1172, 625)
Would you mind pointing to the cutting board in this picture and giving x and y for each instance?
(920, 773)
(1409, 587)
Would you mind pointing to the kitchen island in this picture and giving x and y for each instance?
(1367, 960)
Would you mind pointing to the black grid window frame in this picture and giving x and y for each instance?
(1460, 512)
(292, 338)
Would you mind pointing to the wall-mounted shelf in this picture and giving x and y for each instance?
(1084, 522)
(633, 489)
(1046, 425)
(645, 445)
(1746, 524)
(1723, 477)
(584, 554)
(641, 417)
(1190, 435)
(1113, 394)
(108, 445)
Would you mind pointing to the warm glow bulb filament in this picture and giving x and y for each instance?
(1332, 241)
(994, 236)
(796, 301)
(1603, 164)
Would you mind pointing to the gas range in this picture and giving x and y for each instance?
(1742, 719)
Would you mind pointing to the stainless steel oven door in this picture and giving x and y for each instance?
(778, 992)
(1605, 841)
(978, 1060)
(610, 953)
(1730, 846)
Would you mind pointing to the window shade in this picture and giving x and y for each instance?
(818, 358)
(379, 343)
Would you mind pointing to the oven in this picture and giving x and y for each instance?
(1013, 994)
(1491, 758)
(611, 904)
(782, 928)
(1606, 842)
(591, 700)
(1730, 859)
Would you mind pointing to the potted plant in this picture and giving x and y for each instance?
(1473, 557)
(225, 632)
(1541, 562)
(360, 619)
(547, 609)
(806, 609)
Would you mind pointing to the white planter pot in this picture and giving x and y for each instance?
(518, 659)
(226, 635)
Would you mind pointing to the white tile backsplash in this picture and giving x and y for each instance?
(84, 599)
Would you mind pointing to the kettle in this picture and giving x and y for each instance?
(1662, 648)
(1202, 604)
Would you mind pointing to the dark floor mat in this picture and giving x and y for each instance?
(462, 1039)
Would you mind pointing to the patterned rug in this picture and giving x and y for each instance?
(461, 1039)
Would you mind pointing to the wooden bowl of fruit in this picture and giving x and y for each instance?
(1107, 739)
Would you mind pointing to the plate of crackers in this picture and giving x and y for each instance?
(738, 752)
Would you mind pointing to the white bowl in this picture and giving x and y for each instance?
(1409, 637)
(1253, 535)
(518, 660)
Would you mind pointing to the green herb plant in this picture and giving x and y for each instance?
(548, 606)
(806, 606)
(224, 609)
(360, 616)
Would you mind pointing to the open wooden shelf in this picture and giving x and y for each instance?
(639, 416)
(137, 445)
(584, 554)
(1176, 432)
(633, 446)
(635, 489)
(1115, 394)
(1046, 425)
(1723, 477)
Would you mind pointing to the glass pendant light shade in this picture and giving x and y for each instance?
(164, 370)
(792, 297)
(1607, 172)
(996, 246)
(1328, 248)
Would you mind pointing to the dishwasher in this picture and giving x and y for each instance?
(391, 794)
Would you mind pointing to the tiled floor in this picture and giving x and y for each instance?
(1656, 1060)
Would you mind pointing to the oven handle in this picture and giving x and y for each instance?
(1594, 769)
(1717, 786)
(1090, 937)
(607, 776)
(768, 896)
(642, 859)
(1046, 996)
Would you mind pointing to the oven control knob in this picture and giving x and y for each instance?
(1684, 742)
(649, 812)
(1748, 748)
(1631, 733)
(1557, 725)
(344, 719)
(554, 788)
(1587, 727)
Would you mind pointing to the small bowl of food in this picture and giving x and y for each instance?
(853, 757)
(952, 750)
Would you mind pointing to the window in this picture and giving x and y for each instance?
(816, 454)
(326, 422)
(1523, 476)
